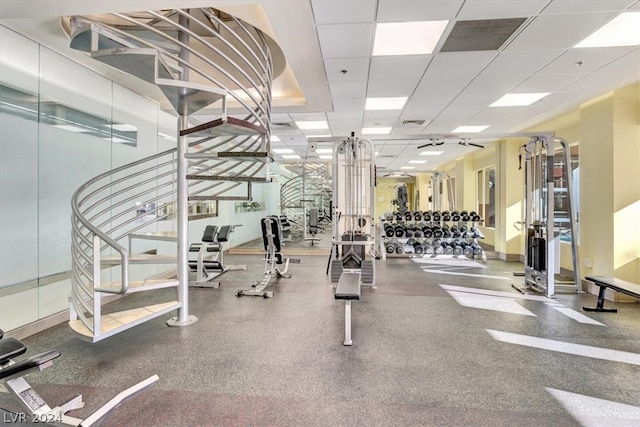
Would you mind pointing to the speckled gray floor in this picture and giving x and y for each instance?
(418, 358)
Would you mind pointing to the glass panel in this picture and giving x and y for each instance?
(490, 197)
(480, 193)
(561, 196)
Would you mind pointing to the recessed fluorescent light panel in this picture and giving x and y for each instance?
(519, 99)
(391, 103)
(314, 124)
(376, 131)
(431, 153)
(620, 31)
(290, 156)
(407, 167)
(317, 135)
(282, 150)
(417, 161)
(469, 129)
(407, 38)
(324, 150)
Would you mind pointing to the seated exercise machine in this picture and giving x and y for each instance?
(209, 263)
(273, 258)
(313, 226)
(13, 374)
(353, 241)
(285, 229)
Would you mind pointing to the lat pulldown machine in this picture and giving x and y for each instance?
(542, 235)
(353, 241)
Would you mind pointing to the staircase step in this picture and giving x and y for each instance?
(81, 39)
(207, 198)
(142, 285)
(244, 156)
(261, 179)
(194, 217)
(139, 259)
(113, 323)
(139, 62)
(229, 126)
(187, 97)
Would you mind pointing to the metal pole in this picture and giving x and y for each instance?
(183, 318)
(551, 234)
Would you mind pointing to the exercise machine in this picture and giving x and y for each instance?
(542, 240)
(313, 226)
(209, 263)
(271, 240)
(353, 240)
(13, 373)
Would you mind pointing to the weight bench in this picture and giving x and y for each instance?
(209, 263)
(348, 289)
(12, 373)
(271, 241)
(617, 285)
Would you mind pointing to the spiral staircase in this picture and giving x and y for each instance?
(199, 59)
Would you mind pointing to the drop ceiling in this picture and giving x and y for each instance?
(328, 45)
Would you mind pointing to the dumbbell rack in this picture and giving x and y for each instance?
(430, 234)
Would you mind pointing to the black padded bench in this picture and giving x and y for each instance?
(348, 290)
(617, 285)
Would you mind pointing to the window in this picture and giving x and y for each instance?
(561, 196)
(486, 196)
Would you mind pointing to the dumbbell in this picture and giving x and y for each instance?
(408, 216)
(446, 216)
(475, 217)
(426, 216)
(464, 216)
(477, 250)
(399, 248)
(417, 216)
(437, 232)
(411, 241)
(436, 216)
(438, 249)
(390, 247)
(468, 251)
(446, 232)
(457, 249)
(400, 230)
(418, 249)
(398, 216)
(418, 232)
(428, 232)
(455, 232)
(428, 249)
(455, 216)
(389, 231)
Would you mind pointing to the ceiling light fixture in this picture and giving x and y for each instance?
(519, 99)
(469, 129)
(407, 38)
(431, 153)
(376, 131)
(417, 161)
(314, 124)
(389, 103)
(620, 31)
(407, 167)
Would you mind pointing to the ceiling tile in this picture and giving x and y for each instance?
(399, 67)
(340, 11)
(391, 88)
(500, 9)
(571, 6)
(356, 69)
(346, 108)
(520, 63)
(591, 58)
(417, 10)
(345, 40)
(558, 31)
(348, 89)
(546, 83)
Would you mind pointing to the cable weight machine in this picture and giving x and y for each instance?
(542, 241)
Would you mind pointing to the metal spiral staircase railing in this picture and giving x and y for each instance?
(199, 58)
(310, 188)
